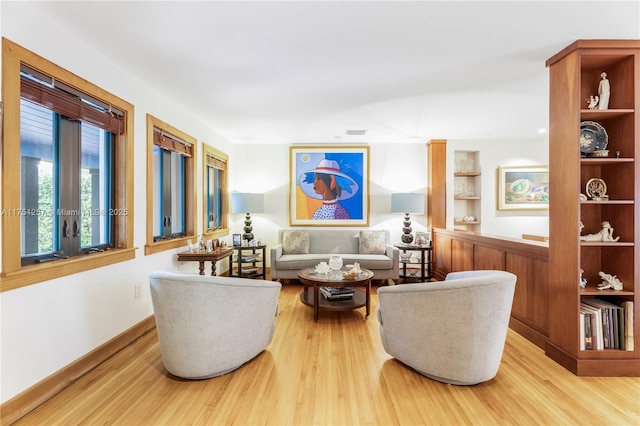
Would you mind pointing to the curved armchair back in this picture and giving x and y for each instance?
(208, 326)
(452, 331)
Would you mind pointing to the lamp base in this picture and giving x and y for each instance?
(247, 228)
(406, 238)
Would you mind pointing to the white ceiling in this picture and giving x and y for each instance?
(306, 71)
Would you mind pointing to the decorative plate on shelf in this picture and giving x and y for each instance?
(593, 137)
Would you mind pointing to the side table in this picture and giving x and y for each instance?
(249, 262)
(424, 262)
(202, 256)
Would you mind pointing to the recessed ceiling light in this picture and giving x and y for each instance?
(355, 132)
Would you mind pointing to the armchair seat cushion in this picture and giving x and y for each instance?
(367, 261)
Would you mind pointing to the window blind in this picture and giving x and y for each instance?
(216, 162)
(172, 143)
(75, 106)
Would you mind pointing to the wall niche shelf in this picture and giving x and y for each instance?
(467, 190)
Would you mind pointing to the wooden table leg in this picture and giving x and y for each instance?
(213, 269)
(367, 298)
(201, 262)
(316, 302)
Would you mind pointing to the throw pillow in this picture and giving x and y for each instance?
(373, 242)
(295, 242)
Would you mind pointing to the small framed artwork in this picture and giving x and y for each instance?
(237, 240)
(423, 238)
(523, 188)
(329, 185)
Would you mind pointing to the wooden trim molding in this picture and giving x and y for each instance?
(13, 274)
(28, 400)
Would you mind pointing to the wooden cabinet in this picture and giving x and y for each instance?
(574, 76)
(466, 191)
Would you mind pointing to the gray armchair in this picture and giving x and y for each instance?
(452, 331)
(208, 326)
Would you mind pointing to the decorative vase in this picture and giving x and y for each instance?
(335, 262)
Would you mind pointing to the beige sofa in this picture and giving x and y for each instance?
(452, 331)
(305, 248)
(208, 326)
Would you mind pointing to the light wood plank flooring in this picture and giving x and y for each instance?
(335, 372)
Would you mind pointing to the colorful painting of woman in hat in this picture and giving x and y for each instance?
(329, 187)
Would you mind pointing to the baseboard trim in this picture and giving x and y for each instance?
(28, 400)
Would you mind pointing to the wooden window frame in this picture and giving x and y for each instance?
(152, 246)
(224, 230)
(13, 274)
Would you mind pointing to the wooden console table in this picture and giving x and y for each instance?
(204, 256)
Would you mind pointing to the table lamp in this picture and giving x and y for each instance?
(407, 203)
(247, 203)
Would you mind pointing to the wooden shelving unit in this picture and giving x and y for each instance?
(574, 77)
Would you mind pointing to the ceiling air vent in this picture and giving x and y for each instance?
(355, 132)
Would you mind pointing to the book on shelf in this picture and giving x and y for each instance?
(249, 270)
(595, 326)
(586, 341)
(248, 258)
(606, 325)
(627, 306)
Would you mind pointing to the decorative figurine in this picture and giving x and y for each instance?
(605, 234)
(583, 281)
(609, 281)
(604, 90)
(592, 102)
(596, 189)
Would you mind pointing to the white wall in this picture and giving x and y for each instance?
(494, 154)
(51, 324)
(393, 168)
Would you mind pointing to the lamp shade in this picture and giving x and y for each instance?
(407, 203)
(247, 203)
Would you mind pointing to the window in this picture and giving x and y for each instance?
(65, 186)
(215, 191)
(68, 142)
(170, 198)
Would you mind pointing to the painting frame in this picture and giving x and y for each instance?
(523, 188)
(341, 200)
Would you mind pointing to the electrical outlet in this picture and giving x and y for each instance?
(136, 290)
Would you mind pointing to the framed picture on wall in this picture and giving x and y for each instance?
(523, 188)
(329, 185)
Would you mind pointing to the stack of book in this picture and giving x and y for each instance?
(336, 293)
(605, 325)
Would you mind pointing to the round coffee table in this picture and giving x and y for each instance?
(313, 280)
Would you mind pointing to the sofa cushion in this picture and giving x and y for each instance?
(368, 261)
(295, 242)
(373, 242)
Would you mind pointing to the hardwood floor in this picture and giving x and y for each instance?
(336, 372)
